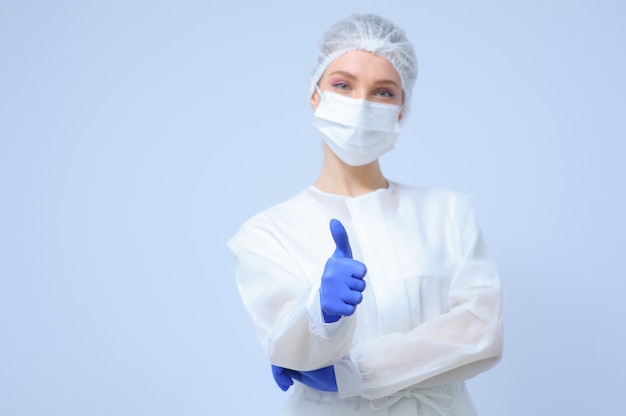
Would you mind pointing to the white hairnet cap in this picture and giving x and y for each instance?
(371, 33)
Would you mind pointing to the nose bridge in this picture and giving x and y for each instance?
(360, 92)
(362, 87)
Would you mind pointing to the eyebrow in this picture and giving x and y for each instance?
(379, 82)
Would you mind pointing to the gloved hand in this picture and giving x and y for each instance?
(342, 280)
(282, 377)
(322, 379)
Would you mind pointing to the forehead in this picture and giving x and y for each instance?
(364, 65)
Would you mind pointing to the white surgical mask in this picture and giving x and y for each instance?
(356, 130)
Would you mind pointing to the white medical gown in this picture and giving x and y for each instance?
(431, 311)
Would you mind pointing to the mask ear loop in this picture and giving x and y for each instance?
(319, 94)
(400, 114)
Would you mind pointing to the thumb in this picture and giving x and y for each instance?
(340, 236)
(282, 377)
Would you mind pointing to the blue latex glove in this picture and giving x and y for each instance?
(342, 280)
(322, 379)
(282, 377)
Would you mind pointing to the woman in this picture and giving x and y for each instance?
(408, 305)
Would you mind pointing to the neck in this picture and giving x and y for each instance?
(339, 178)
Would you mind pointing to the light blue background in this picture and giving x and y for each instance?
(135, 137)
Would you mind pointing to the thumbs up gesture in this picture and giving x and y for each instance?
(342, 280)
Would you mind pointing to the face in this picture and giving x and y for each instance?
(360, 74)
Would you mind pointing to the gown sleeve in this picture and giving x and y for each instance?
(454, 346)
(283, 303)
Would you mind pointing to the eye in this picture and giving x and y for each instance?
(385, 93)
(341, 86)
